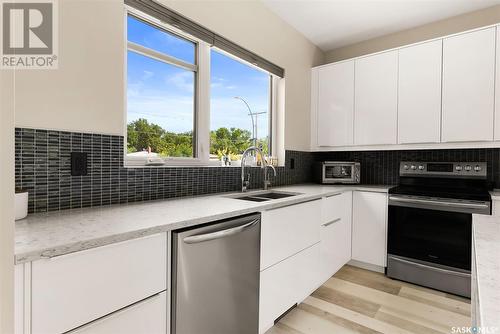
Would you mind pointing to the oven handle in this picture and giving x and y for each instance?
(437, 202)
(444, 271)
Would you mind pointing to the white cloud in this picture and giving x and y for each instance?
(182, 80)
(173, 113)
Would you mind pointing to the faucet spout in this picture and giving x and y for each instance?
(245, 182)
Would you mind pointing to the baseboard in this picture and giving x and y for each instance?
(367, 266)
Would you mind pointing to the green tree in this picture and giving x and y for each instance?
(231, 141)
(141, 135)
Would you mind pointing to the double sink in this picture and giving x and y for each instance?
(262, 196)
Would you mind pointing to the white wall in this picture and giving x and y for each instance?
(6, 202)
(86, 92)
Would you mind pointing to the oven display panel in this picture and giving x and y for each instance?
(442, 168)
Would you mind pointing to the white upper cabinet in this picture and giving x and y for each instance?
(468, 86)
(376, 99)
(419, 93)
(335, 104)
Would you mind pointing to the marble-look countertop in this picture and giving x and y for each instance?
(486, 234)
(46, 235)
(495, 194)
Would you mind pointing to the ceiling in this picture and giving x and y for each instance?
(331, 24)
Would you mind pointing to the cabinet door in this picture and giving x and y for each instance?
(148, 316)
(336, 104)
(369, 227)
(286, 283)
(376, 96)
(419, 93)
(497, 88)
(468, 86)
(286, 231)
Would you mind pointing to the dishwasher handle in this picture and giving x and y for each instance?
(220, 234)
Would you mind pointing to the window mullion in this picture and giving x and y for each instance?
(142, 50)
(203, 102)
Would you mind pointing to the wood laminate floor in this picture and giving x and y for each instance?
(355, 300)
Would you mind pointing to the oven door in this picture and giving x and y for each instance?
(338, 173)
(430, 231)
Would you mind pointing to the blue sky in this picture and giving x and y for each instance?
(163, 94)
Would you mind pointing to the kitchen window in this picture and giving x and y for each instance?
(190, 102)
(240, 107)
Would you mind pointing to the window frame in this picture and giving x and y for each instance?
(273, 79)
(202, 93)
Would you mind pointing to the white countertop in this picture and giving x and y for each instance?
(57, 233)
(486, 234)
(495, 194)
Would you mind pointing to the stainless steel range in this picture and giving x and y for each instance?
(430, 222)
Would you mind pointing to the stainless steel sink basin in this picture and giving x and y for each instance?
(262, 196)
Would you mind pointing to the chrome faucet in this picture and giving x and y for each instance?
(267, 183)
(246, 182)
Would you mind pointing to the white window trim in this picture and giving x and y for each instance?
(201, 98)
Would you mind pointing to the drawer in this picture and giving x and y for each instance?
(286, 231)
(287, 283)
(71, 290)
(335, 250)
(333, 207)
(148, 316)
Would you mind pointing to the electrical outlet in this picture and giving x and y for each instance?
(78, 163)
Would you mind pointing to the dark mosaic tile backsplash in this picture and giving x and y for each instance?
(43, 167)
(382, 167)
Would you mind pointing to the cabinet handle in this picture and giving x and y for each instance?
(333, 195)
(332, 222)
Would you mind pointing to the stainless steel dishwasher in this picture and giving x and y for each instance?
(215, 277)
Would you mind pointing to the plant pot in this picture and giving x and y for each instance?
(21, 205)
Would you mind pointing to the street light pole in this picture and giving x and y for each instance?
(251, 116)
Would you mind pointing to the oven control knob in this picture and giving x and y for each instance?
(477, 168)
(458, 168)
(468, 168)
(406, 167)
(413, 167)
(421, 167)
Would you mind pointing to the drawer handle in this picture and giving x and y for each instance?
(332, 222)
(423, 266)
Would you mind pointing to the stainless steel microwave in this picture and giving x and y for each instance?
(340, 172)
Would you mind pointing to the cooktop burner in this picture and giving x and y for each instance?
(454, 180)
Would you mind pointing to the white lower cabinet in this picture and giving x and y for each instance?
(147, 316)
(19, 296)
(75, 289)
(335, 234)
(369, 228)
(286, 283)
